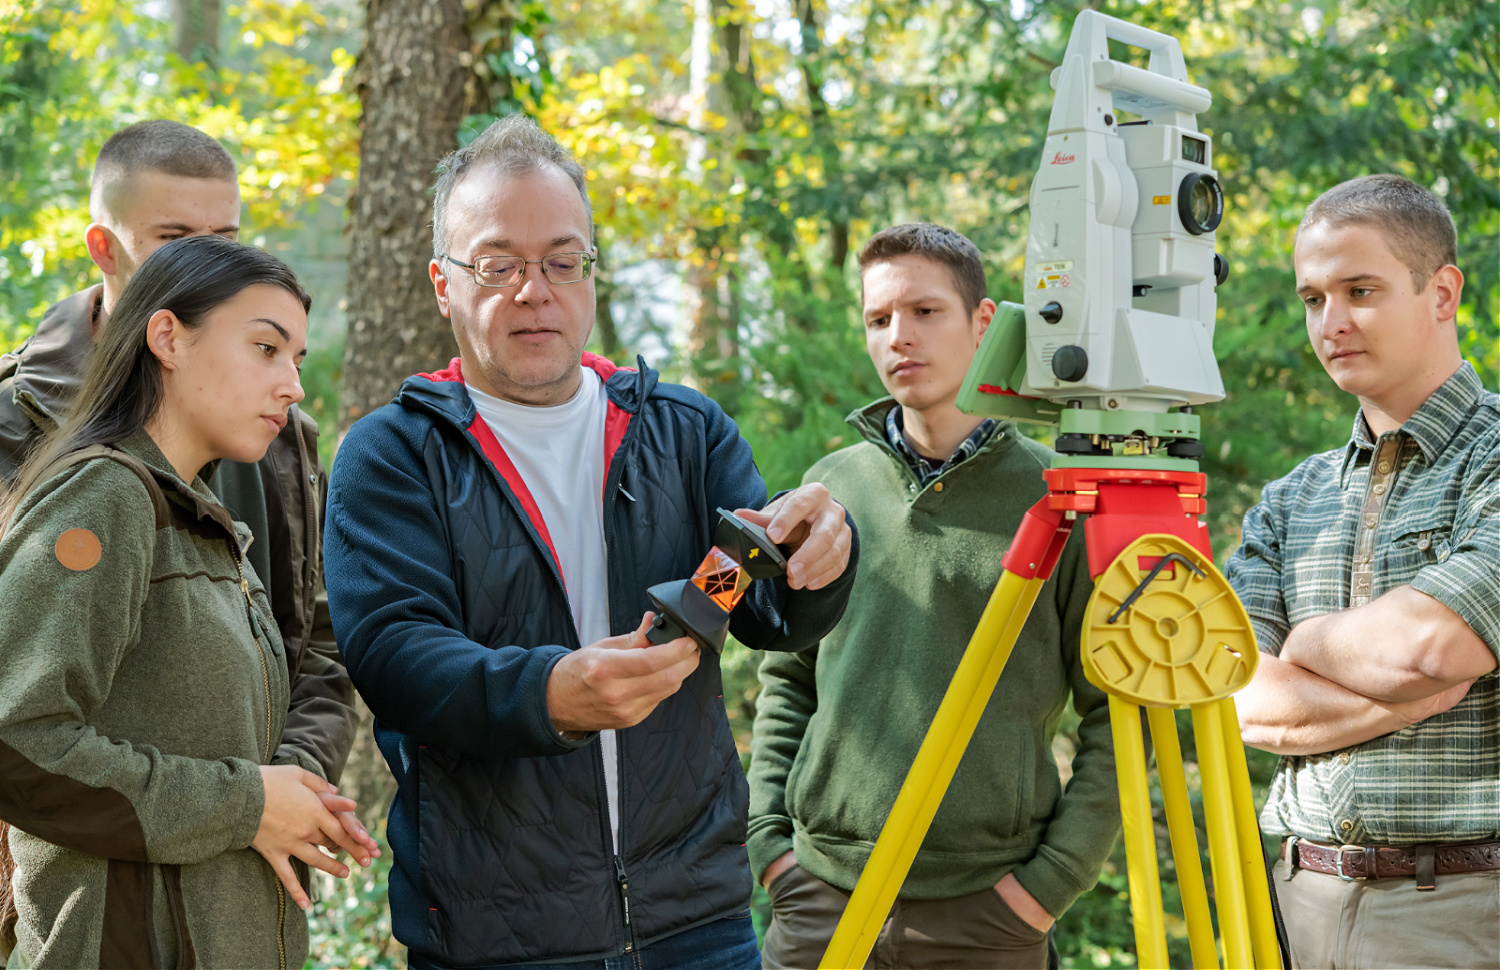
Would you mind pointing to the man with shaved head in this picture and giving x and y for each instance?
(156, 181)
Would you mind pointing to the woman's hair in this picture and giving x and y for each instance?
(122, 388)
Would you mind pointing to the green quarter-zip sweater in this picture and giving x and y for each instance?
(142, 683)
(838, 726)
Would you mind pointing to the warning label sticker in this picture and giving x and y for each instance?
(1059, 266)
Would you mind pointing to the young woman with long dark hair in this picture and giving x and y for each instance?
(143, 688)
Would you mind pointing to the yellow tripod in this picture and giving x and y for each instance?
(1165, 631)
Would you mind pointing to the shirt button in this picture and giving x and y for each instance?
(938, 487)
(1346, 825)
(1344, 758)
(1379, 488)
(1384, 467)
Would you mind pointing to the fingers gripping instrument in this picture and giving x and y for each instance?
(1114, 346)
(699, 607)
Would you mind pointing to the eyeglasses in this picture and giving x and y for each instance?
(509, 270)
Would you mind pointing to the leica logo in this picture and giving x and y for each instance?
(1061, 159)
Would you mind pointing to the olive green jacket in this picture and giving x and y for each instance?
(280, 498)
(142, 683)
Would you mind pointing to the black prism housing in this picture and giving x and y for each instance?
(682, 609)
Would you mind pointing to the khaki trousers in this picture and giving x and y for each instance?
(1386, 923)
(974, 932)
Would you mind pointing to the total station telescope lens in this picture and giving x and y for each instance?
(1200, 203)
(1203, 203)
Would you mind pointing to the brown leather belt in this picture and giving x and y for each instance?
(1424, 861)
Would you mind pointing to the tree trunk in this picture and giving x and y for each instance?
(412, 92)
(713, 345)
(820, 124)
(411, 88)
(744, 97)
(604, 317)
(195, 30)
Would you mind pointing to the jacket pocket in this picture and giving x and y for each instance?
(138, 930)
(127, 930)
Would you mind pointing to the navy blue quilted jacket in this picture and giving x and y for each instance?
(450, 609)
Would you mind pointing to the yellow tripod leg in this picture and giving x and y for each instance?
(1223, 845)
(1184, 837)
(1139, 835)
(932, 771)
(1252, 851)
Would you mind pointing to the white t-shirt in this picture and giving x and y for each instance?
(559, 453)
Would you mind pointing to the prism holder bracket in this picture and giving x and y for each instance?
(699, 607)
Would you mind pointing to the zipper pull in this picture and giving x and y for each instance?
(239, 565)
(625, 493)
(624, 899)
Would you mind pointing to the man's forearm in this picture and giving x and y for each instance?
(1405, 646)
(1289, 710)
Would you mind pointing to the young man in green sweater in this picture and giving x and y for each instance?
(938, 495)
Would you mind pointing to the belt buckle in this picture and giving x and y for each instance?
(1339, 861)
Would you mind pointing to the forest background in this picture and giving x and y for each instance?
(740, 152)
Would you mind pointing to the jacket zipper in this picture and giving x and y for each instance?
(280, 925)
(625, 902)
(177, 926)
(309, 485)
(620, 878)
(260, 652)
(265, 675)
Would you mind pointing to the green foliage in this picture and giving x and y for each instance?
(752, 184)
(349, 924)
(71, 74)
(937, 111)
(321, 371)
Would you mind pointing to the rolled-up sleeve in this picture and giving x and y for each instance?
(1255, 573)
(1467, 578)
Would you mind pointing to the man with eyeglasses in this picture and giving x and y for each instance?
(568, 793)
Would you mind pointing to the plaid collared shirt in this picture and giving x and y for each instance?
(1418, 506)
(921, 467)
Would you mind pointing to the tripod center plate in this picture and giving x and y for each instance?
(1173, 640)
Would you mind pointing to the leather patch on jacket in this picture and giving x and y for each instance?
(65, 812)
(78, 549)
(126, 940)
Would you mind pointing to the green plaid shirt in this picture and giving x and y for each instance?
(925, 470)
(1418, 506)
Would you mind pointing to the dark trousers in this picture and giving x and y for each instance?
(977, 931)
(724, 944)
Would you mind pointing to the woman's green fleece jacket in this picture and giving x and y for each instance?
(837, 727)
(142, 684)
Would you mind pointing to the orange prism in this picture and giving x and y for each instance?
(721, 579)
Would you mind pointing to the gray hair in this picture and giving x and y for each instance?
(517, 146)
(1415, 223)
